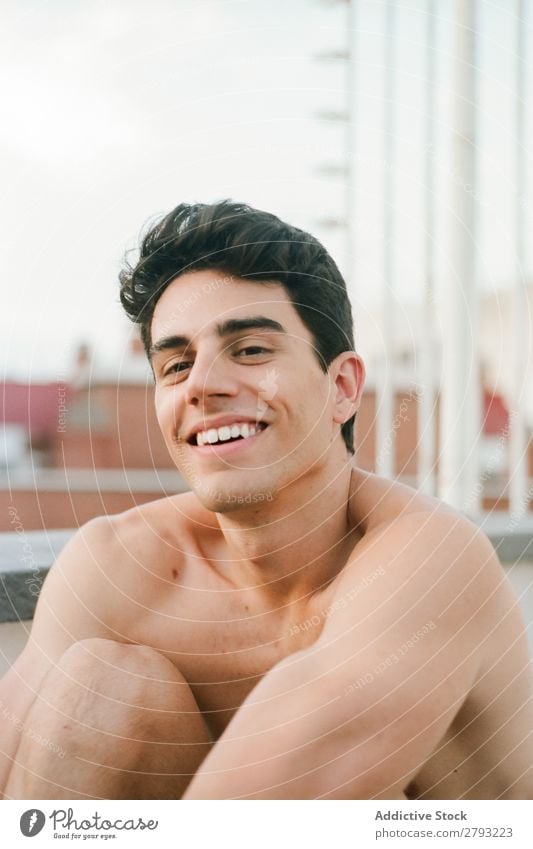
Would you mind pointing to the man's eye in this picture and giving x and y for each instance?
(254, 349)
(176, 367)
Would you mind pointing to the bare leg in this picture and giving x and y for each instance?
(120, 722)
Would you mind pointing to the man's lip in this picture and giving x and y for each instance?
(226, 447)
(220, 422)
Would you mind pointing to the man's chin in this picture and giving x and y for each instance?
(228, 501)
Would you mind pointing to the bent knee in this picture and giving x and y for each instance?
(98, 653)
(130, 693)
(131, 674)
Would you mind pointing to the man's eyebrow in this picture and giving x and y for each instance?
(223, 329)
(256, 322)
(169, 343)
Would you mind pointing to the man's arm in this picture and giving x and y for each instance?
(357, 714)
(72, 606)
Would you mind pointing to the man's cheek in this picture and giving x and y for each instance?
(167, 418)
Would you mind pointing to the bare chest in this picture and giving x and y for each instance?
(221, 649)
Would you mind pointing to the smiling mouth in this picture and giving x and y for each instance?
(226, 435)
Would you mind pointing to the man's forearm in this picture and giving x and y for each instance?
(239, 769)
(279, 744)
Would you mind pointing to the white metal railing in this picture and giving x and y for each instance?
(517, 440)
(454, 372)
(427, 423)
(385, 434)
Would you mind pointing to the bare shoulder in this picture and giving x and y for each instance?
(419, 564)
(110, 564)
(157, 526)
(109, 545)
(421, 532)
(374, 500)
(415, 601)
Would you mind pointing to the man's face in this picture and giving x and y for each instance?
(228, 352)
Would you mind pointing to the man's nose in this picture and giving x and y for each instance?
(209, 375)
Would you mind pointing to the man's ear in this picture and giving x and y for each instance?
(348, 379)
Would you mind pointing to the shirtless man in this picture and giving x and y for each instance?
(293, 627)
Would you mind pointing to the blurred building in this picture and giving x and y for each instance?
(83, 447)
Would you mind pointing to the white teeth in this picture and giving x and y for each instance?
(222, 434)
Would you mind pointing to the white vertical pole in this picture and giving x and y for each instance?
(517, 434)
(349, 217)
(385, 387)
(426, 418)
(458, 471)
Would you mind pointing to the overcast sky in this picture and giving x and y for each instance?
(114, 112)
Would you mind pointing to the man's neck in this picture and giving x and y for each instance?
(291, 548)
